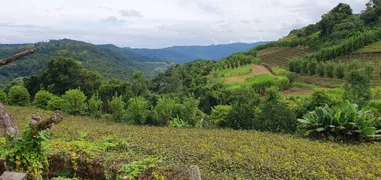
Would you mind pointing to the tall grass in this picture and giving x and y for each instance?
(262, 81)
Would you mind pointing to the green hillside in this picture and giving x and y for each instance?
(110, 62)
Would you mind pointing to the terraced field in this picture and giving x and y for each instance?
(279, 56)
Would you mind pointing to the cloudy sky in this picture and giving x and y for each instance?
(158, 23)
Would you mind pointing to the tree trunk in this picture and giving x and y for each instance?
(7, 123)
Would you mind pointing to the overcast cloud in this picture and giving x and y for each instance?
(155, 24)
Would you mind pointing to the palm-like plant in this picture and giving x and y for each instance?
(345, 122)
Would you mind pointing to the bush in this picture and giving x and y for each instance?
(137, 110)
(275, 117)
(340, 71)
(189, 112)
(319, 98)
(345, 122)
(117, 108)
(42, 98)
(329, 69)
(219, 115)
(241, 117)
(320, 70)
(75, 102)
(56, 103)
(357, 87)
(19, 96)
(164, 111)
(312, 66)
(3, 97)
(95, 106)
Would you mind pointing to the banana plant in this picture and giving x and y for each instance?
(344, 122)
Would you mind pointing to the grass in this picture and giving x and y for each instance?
(220, 154)
(261, 81)
(232, 72)
(372, 48)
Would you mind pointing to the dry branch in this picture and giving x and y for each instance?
(17, 56)
(39, 125)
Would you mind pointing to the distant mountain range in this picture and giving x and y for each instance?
(184, 54)
(109, 60)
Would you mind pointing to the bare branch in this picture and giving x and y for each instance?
(17, 56)
(39, 125)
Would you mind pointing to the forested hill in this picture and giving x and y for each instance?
(184, 54)
(110, 61)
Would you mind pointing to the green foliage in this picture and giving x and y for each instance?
(3, 97)
(56, 103)
(275, 117)
(62, 74)
(219, 115)
(318, 99)
(263, 81)
(357, 87)
(117, 108)
(329, 69)
(134, 169)
(241, 117)
(375, 106)
(189, 112)
(19, 96)
(29, 153)
(75, 102)
(345, 122)
(164, 111)
(108, 90)
(312, 67)
(178, 122)
(42, 98)
(95, 106)
(321, 69)
(137, 110)
(225, 73)
(340, 71)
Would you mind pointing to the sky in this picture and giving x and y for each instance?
(159, 23)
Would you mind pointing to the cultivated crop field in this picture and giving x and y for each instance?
(221, 154)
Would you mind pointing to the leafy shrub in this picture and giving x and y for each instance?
(219, 115)
(320, 70)
(319, 98)
(3, 97)
(241, 116)
(117, 108)
(312, 67)
(56, 103)
(340, 71)
(345, 122)
(375, 106)
(95, 106)
(357, 87)
(275, 117)
(19, 95)
(189, 112)
(305, 68)
(329, 69)
(178, 122)
(75, 102)
(42, 98)
(134, 169)
(137, 110)
(164, 111)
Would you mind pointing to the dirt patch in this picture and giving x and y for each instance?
(255, 70)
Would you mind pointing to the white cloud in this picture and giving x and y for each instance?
(159, 23)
